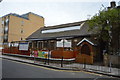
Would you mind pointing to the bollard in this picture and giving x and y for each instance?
(110, 67)
(34, 58)
(62, 62)
(84, 63)
(48, 57)
(45, 61)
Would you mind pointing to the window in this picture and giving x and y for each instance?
(6, 30)
(52, 45)
(40, 45)
(45, 45)
(6, 22)
(22, 23)
(21, 38)
(22, 31)
(62, 29)
(30, 45)
(5, 38)
(2, 22)
(34, 44)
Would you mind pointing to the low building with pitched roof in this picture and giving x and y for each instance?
(66, 40)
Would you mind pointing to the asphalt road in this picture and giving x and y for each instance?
(13, 69)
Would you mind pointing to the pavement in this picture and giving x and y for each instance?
(109, 71)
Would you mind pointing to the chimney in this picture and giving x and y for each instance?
(113, 4)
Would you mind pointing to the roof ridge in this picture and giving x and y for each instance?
(68, 23)
(23, 15)
(32, 13)
(64, 25)
(15, 14)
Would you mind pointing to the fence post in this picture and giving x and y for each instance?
(84, 63)
(34, 58)
(62, 62)
(45, 61)
(48, 57)
(110, 67)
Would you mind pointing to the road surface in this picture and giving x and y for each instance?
(14, 69)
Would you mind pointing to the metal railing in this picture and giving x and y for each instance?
(71, 64)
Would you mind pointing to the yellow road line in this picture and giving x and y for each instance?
(42, 67)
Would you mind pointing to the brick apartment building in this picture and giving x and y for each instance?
(14, 27)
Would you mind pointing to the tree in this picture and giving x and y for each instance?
(106, 24)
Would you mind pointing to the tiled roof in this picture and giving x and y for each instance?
(83, 31)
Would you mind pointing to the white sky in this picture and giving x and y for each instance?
(55, 11)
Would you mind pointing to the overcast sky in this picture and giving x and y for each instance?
(55, 11)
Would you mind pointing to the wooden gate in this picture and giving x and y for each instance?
(85, 54)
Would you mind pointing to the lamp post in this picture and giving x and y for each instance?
(119, 31)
